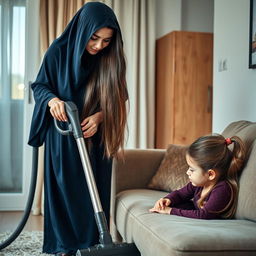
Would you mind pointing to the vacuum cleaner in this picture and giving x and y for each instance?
(106, 246)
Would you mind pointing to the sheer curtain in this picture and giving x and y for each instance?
(137, 21)
(12, 60)
(6, 181)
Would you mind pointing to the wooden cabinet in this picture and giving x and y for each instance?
(184, 67)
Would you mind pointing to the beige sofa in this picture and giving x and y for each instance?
(162, 235)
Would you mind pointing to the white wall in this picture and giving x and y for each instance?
(234, 89)
(190, 15)
(168, 16)
(197, 15)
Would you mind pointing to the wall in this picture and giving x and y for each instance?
(168, 16)
(197, 15)
(190, 15)
(234, 89)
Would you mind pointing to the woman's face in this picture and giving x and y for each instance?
(99, 40)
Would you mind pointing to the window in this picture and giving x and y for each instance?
(1, 52)
(12, 48)
(18, 52)
(12, 69)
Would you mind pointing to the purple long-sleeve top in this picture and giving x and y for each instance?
(215, 201)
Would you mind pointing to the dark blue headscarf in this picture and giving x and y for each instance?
(62, 73)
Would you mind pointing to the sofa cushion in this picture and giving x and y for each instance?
(184, 236)
(246, 207)
(171, 174)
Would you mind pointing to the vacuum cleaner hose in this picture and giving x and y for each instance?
(26, 214)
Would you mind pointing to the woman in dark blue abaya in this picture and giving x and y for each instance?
(85, 65)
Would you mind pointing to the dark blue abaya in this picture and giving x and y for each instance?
(69, 218)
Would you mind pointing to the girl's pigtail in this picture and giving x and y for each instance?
(238, 157)
(236, 164)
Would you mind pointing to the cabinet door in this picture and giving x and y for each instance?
(192, 86)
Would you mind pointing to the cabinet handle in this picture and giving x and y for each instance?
(209, 99)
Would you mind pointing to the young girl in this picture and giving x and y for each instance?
(213, 169)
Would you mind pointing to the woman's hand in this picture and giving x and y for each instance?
(161, 206)
(90, 124)
(57, 109)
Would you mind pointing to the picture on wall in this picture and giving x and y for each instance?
(252, 40)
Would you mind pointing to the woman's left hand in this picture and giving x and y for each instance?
(90, 124)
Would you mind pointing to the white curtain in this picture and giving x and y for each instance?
(137, 21)
(6, 181)
(12, 20)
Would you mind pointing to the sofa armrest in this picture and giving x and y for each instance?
(135, 171)
(137, 168)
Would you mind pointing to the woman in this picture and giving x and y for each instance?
(85, 65)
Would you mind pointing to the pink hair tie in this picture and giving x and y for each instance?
(228, 141)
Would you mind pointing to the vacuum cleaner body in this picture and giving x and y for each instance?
(122, 249)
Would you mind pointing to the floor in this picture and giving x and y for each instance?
(10, 220)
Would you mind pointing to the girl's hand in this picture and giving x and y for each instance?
(161, 206)
(57, 109)
(162, 203)
(90, 124)
(166, 210)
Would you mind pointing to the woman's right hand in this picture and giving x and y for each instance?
(57, 109)
(161, 204)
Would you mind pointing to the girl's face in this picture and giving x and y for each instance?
(196, 175)
(99, 40)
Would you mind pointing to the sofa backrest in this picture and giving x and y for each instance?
(246, 208)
